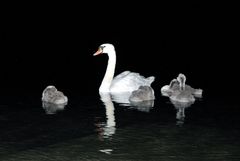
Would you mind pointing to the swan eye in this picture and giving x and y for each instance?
(102, 47)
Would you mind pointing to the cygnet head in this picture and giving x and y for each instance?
(105, 49)
(181, 79)
(50, 90)
(173, 82)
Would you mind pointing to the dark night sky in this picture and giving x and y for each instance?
(54, 44)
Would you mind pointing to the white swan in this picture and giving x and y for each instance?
(126, 81)
(52, 95)
(179, 91)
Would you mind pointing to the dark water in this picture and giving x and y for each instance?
(89, 129)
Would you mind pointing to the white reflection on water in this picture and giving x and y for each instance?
(51, 108)
(121, 98)
(106, 151)
(108, 129)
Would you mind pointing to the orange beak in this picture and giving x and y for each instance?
(98, 52)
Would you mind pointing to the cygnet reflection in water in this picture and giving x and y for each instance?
(106, 130)
(52, 95)
(180, 107)
(123, 100)
(177, 90)
(143, 106)
(51, 108)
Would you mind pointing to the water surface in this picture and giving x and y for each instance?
(91, 128)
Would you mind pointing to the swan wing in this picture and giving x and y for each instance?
(120, 76)
(130, 81)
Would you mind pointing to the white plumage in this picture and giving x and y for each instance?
(124, 82)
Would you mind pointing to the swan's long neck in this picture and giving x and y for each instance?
(108, 77)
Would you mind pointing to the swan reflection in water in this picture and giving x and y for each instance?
(180, 107)
(106, 130)
(51, 108)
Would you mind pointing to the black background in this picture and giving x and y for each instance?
(53, 44)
